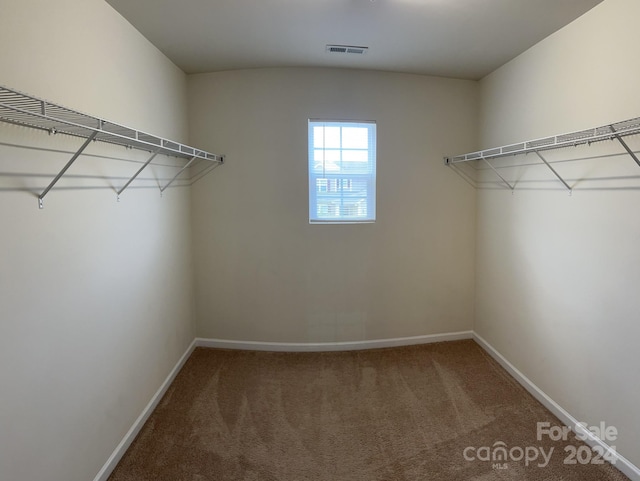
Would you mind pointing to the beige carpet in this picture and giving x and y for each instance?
(389, 414)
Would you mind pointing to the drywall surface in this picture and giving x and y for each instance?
(263, 273)
(86, 54)
(95, 295)
(557, 275)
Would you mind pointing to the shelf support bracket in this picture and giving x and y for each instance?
(144, 166)
(498, 174)
(554, 171)
(186, 166)
(624, 144)
(65, 168)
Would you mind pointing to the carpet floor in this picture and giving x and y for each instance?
(431, 412)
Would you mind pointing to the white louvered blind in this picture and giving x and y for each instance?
(342, 172)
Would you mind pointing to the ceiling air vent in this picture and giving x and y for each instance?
(347, 49)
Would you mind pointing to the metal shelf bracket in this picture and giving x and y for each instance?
(64, 169)
(512, 187)
(624, 144)
(186, 166)
(144, 166)
(554, 171)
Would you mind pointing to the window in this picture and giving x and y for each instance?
(342, 172)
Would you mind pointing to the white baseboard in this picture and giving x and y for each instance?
(332, 346)
(117, 454)
(623, 464)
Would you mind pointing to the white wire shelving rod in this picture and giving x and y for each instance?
(25, 110)
(613, 131)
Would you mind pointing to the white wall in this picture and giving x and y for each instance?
(264, 274)
(557, 276)
(95, 295)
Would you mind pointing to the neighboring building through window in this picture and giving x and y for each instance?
(342, 172)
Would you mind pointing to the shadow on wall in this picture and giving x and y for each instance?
(91, 171)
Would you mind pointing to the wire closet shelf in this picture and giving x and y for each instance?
(25, 110)
(616, 131)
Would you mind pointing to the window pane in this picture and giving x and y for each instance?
(355, 155)
(356, 168)
(326, 137)
(318, 137)
(355, 138)
(326, 161)
(359, 187)
(332, 137)
(322, 185)
(320, 155)
(331, 208)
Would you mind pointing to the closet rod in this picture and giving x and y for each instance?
(613, 131)
(27, 111)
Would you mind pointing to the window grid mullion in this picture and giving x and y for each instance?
(341, 167)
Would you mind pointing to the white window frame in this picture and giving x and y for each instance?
(318, 211)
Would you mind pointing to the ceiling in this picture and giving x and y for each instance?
(450, 38)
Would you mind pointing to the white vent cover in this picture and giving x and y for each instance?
(347, 49)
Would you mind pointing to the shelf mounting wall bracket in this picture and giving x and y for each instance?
(144, 166)
(512, 187)
(624, 144)
(554, 171)
(186, 166)
(65, 168)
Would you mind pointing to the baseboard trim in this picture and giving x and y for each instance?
(622, 464)
(332, 346)
(121, 449)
